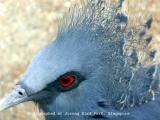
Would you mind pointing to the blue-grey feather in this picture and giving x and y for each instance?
(98, 43)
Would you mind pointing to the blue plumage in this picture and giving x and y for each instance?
(108, 60)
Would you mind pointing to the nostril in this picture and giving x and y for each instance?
(20, 93)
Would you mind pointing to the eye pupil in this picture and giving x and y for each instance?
(67, 81)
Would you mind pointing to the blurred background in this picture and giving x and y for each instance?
(28, 25)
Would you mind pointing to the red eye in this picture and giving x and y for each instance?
(67, 81)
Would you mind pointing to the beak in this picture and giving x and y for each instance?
(16, 96)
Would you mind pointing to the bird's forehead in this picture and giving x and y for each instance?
(63, 55)
(48, 65)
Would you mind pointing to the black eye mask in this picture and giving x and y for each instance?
(66, 82)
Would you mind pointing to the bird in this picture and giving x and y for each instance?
(98, 67)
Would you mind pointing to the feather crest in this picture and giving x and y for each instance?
(108, 23)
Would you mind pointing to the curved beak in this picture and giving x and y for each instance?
(16, 96)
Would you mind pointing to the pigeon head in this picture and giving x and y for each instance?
(61, 75)
(92, 66)
(69, 74)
